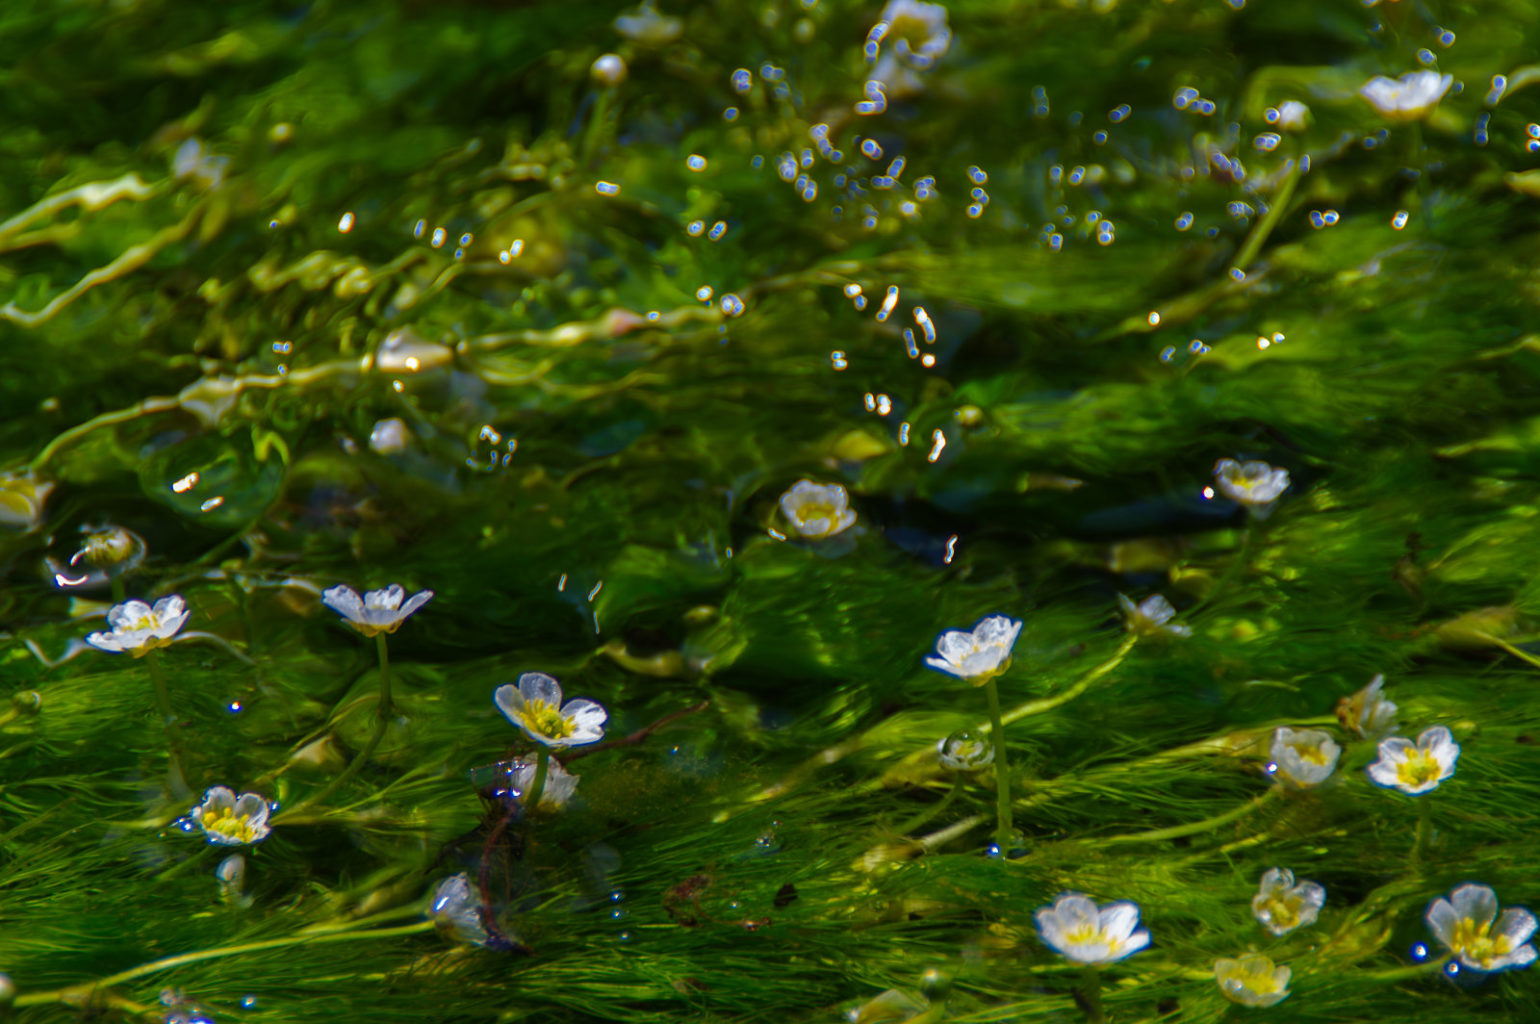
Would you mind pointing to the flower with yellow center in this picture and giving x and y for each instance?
(1253, 484)
(817, 511)
(535, 706)
(1078, 930)
(1467, 923)
(230, 820)
(1152, 617)
(1253, 980)
(378, 611)
(138, 629)
(1282, 906)
(1304, 757)
(1418, 769)
(22, 497)
(978, 655)
(456, 911)
(1367, 712)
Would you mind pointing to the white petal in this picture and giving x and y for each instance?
(1276, 878)
(388, 599)
(1384, 774)
(252, 806)
(1129, 608)
(939, 664)
(220, 799)
(510, 702)
(1118, 921)
(1312, 894)
(107, 642)
(1516, 925)
(1477, 903)
(415, 602)
(344, 600)
(1443, 920)
(588, 718)
(539, 686)
(954, 645)
(1135, 942)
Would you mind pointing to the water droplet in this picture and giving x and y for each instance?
(1119, 112)
(346, 223)
(731, 305)
(838, 360)
(1425, 56)
(1267, 141)
(717, 231)
(606, 188)
(704, 293)
(1399, 220)
(1184, 222)
(871, 149)
(695, 228)
(695, 162)
(730, 114)
(743, 81)
(440, 236)
(1184, 97)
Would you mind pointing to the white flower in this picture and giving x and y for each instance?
(647, 26)
(1465, 924)
(1305, 757)
(1418, 769)
(138, 629)
(1151, 617)
(560, 785)
(964, 752)
(980, 655)
(1076, 929)
(1367, 712)
(1291, 116)
(1253, 980)
(455, 910)
(1410, 99)
(229, 820)
(1253, 484)
(1282, 906)
(817, 510)
(535, 706)
(608, 70)
(378, 611)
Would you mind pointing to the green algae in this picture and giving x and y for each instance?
(220, 250)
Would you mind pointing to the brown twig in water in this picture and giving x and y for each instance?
(640, 734)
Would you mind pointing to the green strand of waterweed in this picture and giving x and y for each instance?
(1091, 996)
(83, 993)
(934, 809)
(1275, 211)
(119, 591)
(175, 779)
(1003, 828)
(383, 720)
(537, 788)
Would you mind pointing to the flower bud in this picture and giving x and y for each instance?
(609, 70)
(965, 751)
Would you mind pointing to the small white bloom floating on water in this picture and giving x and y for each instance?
(1256, 485)
(1305, 757)
(979, 655)
(1367, 712)
(817, 511)
(535, 706)
(1076, 929)
(1411, 98)
(1150, 617)
(1253, 980)
(1418, 768)
(230, 820)
(455, 910)
(378, 611)
(1282, 906)
(1467, 923)
(963, 751)
(138, 629)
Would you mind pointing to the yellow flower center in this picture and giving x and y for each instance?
(1282, 910)
(1085, 933)
(812, 510)
(1474, 942)
(543, 718)
(228, 824)
(1310, 754)
(1259, 979)
(1419, 769)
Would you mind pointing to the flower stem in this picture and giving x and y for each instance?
(537, 788)
(1275, 211)
(1002, 771)
(119, 591)
(382, 721)
(934, 809)
(1236, 566)
(1424, 831)
(177, 781)
(1091, 996)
